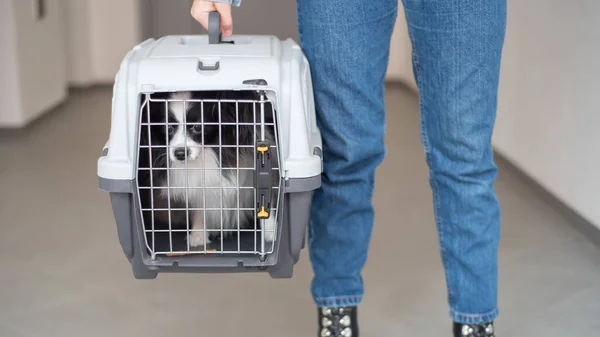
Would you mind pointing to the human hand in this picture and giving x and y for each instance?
(201, 8)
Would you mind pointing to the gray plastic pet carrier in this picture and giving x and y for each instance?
(213, 154)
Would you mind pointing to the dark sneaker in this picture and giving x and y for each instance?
(474, 330)
(338, 322)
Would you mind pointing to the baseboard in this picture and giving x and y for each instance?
(580, 223)
(8, 131)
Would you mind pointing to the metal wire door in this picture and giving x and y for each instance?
(210, 158)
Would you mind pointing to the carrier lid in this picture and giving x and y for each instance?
(198, 46)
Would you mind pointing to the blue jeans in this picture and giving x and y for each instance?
(457, 46)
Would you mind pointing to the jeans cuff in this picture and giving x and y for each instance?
(473, 318)
(338, 301)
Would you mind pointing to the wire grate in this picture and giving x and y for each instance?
(208, 173)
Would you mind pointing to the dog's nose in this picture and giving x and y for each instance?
(180, 153)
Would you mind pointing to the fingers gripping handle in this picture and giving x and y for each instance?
(214, 28)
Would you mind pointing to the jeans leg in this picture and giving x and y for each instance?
(457, 47)
(347, 45)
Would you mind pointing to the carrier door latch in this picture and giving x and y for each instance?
(262, 179)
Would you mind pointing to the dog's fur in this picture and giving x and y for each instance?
(211, 161)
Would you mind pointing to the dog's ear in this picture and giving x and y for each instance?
(155, 113)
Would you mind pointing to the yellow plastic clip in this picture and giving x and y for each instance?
(262, 149)
(263, 214)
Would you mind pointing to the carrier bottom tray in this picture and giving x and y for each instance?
(247, 243)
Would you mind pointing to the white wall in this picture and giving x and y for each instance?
(115, 28)
(33, 61)
(549, 107)
(77, 42)
(10, 93)
(41, 58)
(98, 35)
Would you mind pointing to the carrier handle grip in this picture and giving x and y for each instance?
(214, 28)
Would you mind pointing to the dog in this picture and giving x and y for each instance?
(207, 154)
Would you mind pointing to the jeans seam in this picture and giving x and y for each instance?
(427, 150)
(338, 297)
(474, 318)
(338, 301)
(474, 315)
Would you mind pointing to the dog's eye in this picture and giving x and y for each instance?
(197, 128)
(171, 129)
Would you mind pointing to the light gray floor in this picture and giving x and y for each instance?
(63, 274)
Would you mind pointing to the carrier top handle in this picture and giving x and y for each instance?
(214, 28)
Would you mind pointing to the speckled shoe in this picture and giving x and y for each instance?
(474, 330)
(338, 322)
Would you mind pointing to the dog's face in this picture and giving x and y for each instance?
(238, 127)
(186, 140)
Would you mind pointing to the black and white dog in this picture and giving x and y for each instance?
(210, 159)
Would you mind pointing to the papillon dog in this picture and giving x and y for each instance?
(207, 156)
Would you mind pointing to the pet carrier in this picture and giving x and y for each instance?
(213, 154)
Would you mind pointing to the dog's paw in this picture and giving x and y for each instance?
(197, 239)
